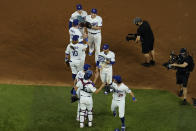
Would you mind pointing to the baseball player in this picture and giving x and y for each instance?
(79, 14)
(94, 33)
(74, 30)
(119, 94)
(86, 88)
(104, 63)
(79, 76)
(82, 38)
(75, 50)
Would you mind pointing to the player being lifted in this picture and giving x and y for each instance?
(86, 88)
(75, 51)
(118, 101)
(104, 64)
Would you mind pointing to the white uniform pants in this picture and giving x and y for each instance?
(106, 75)
(83, 61)
(121, 107)
(94, 41)
(86, 103)
(76, 66)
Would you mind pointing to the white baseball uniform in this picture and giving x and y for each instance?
(76, 56)
(119, 98)
(75, 31)
(86, 101)
(94, 36)
(79, 76)
(76, 15)
(106, 69)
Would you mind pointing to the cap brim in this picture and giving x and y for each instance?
(105, 48)
(114, 77)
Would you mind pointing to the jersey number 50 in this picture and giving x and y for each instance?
(75, 53)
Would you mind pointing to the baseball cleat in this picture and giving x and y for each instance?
(184, 102)
(146, 64)
(116, 129)
(114, 113)
(81, 126)
(106, 93)
(90, 124)
(123, 128)
(152, 62)
(180, 93)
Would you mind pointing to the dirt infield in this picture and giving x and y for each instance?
(33, 36)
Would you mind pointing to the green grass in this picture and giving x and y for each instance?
(46, 108)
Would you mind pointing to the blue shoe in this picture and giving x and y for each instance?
(114, 113)
(123, 128)
(106, 93)
(90, 53)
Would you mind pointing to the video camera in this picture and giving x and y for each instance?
(173, 59)
(131, 37)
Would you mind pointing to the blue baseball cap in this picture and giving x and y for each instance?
(94, 11)
(117, 78)
(105, 47)
(75, 38)
(88, 74)
(86, 67)
(79, 7)
(75, 22)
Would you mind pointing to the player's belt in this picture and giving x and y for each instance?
(86, 96)
(117, 100)
(93, 33)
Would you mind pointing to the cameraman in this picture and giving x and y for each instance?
(145, 35)
(182, 73)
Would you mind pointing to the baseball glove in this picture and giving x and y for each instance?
(82, 24)
(74, 99)
(72, 47)
(88, 25)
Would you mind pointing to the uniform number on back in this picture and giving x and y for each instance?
(75, 53)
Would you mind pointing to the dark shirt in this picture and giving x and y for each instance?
(185, 69)
(145, 32)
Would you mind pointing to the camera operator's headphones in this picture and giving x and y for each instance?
(183, 51)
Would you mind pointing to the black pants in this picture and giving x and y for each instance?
(182, 78)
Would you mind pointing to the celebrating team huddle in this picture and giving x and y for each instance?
(85, 35)
(85, 32)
